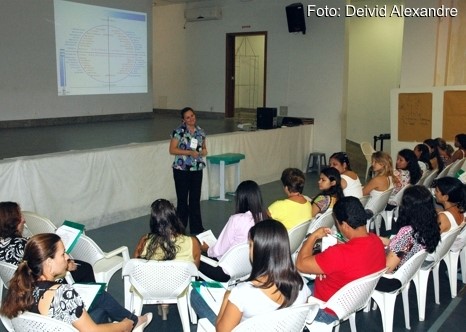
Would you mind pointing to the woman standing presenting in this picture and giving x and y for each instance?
(188, 146)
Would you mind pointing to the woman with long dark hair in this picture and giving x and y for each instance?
(423, 157)
(274, 282)
(249, 210)
(349, 179)
(330, 191)
(33, 288)
(450, 193)
(418, 229)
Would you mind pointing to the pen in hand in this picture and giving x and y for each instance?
(205, 285)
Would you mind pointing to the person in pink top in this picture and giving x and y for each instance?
(249, 210)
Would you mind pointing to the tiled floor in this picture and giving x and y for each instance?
(448, 316)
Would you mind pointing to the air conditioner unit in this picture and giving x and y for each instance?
(203, 14)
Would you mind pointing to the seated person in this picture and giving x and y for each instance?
(330, 191)
(166, 240)
(295, 209)
(249, 210)
(418, 229)
(460, 143)
(423, 156)
(450, 194)
(33, 288)
(382, 167)
(349, 180)
(12, 242)
(361, 255)
(274, 282)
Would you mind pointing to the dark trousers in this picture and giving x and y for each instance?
(188, 193)
(213, 272)
(106, 309)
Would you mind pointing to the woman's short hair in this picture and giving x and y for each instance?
(350, 210)
(184, 110)
(461, 138)
(454, 188)
(249, 198)
(293, 179)
(10, 217)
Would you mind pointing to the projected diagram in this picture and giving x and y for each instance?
(102, 52)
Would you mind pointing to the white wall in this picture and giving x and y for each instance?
(304, 72)
(375, 46)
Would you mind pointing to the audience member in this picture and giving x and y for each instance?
(423, 156)
(407, 172)
(33, 288)
(249, 210)
(295, 209)
(349, 180)
(435, 160)
(330, 191)
(361, 255)
(445, 150)
(274, 282)
(166, 240)
(382, 167)
(418, 229)
(12, 242)
(450, 194)
(460, 143)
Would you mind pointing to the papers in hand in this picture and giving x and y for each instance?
(328, 241)
(69, 233)
(207, 237)
(88, 292)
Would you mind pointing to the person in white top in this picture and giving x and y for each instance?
(349, 180)
(460, 143)
(274, 282)
(383, 180)
(450, 194)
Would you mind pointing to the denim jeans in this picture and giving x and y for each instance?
(201, 307)
(106, 309)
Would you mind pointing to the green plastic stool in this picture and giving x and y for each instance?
(226, 159)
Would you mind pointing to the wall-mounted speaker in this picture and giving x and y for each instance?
(295, 18)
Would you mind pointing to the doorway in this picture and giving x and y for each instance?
(245, 79)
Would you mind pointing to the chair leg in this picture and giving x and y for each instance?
(436, 283)
(420, 280)
(405, 297)
(183, 310)
(451, 259)
(352, 321)
(386, 303)
(463, 264)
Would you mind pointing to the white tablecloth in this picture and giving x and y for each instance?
(104, 186)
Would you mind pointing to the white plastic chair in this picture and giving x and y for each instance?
(158, 282)
(444, 171)
(31, 322)
(289, 319)
(364, 199)
(346, 302)
(37, 224)
(377, 205)
(104, 264)
(367, 151)
(6, 273)
(430, 178)
(422, 277)
(321, 220)
(423, 177)
(297, 234)
(451, 261)
(455, 167)
(388, 216)
(235, 262)
(386, 301)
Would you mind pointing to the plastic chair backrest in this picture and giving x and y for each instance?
(159, 280)
(367, 150)
(456, 166)
(364, 200)
(297, 234)
(407, 271)
(399, 195)
(87, 250)
(444, 171)
(430, 178)
(37, 224)
(323, 220)
(31, 322)
(290, 319)
(236, 261)
(354, 295)
(377, 204)
(445, 244)
(423, 177)
(6, 273)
